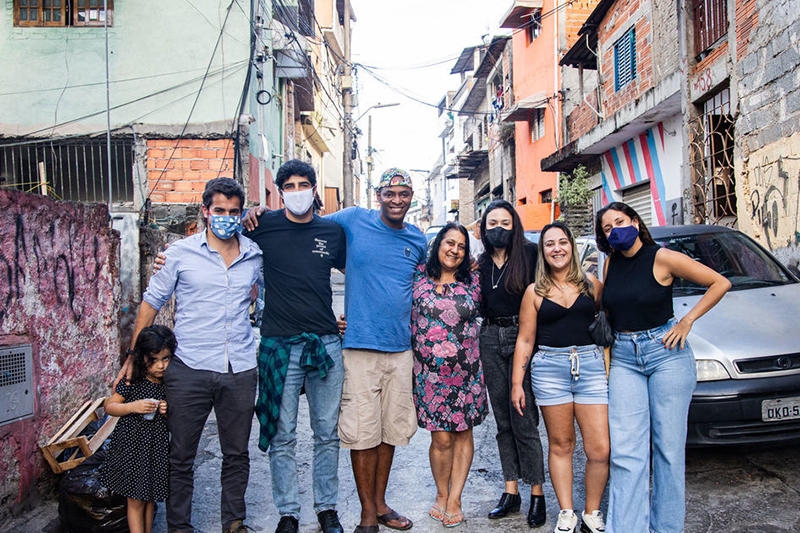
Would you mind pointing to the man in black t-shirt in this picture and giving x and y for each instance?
(300, 344)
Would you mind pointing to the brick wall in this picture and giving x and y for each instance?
(576, 15)
(614, 26)
(583, 118)
(767, 128)
(178, 169)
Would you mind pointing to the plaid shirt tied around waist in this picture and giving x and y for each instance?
(273, 364)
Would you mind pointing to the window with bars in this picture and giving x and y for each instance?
(711, 152)
(74, 169)
(58, 13)
(537, 124)
(625, 59)
(534, 27)
(710, 23)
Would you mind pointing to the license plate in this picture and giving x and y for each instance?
(781, 409)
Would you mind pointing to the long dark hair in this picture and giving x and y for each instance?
(600, 235)
(433, 268)
(151, 340)
(518, 271)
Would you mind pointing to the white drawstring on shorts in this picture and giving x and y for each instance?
(575, 365)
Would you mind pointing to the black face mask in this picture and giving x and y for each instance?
(498, 237)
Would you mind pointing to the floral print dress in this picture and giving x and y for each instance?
(449, 391)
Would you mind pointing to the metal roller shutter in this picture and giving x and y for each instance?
(639, 199)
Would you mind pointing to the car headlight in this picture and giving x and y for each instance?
(710, 370)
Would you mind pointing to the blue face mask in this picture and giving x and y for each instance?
(622, 238)
(224, 226)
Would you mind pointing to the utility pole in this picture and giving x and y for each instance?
(347, 118)
(369, 162)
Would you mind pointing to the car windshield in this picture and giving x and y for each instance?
(732, 254)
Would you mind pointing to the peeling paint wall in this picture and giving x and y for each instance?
(771, 198)
(59, 291)
(767, 157)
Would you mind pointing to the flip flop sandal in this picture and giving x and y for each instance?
(453, 520)
(436, 513)
(393, 516)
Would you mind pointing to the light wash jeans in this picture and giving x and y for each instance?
(324, 397)
(649, 391)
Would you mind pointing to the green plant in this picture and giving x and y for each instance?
(573, 188)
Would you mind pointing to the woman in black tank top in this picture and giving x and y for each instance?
(567, 372)
(653, 371)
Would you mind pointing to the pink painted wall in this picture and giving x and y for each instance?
(59, 291)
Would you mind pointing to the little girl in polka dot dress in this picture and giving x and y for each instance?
(137, 464)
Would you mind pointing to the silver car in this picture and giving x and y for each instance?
(747, 347)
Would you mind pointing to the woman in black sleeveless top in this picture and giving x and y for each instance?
(653, 371)
(507, 267)
(568, 372)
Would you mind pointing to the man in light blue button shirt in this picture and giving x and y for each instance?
(211, 274)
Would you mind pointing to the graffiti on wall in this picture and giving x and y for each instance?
(774, 202)
(53, 261)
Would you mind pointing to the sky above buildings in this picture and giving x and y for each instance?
(411, 46)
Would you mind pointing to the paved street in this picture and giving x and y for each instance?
(731, 490)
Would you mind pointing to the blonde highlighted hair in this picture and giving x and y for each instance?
(544, 275)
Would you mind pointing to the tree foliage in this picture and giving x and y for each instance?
(573, 188)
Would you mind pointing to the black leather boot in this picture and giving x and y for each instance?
(509, 503)
(537, 514)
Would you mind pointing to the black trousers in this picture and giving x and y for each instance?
(521, 455)
(191, 394)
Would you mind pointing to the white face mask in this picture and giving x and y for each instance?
(299, 202)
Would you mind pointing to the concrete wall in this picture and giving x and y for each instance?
(59, 291)
(767, 158)
(159, 52)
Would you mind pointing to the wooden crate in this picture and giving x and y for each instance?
(69, 437)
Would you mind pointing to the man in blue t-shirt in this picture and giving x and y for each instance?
(377, 410)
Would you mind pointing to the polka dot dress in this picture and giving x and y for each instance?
(137, 464)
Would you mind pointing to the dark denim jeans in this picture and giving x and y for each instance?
(518, 441)
(191, 394)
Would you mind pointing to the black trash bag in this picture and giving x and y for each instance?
(85, 505)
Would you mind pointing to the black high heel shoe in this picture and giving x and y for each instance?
(509, 503)
(537, 514)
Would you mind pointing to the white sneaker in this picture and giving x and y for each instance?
(593, 523)
(567, 522)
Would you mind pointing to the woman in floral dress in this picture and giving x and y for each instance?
(449, 392)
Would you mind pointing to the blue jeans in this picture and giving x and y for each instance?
(649, 391)
(324, 397)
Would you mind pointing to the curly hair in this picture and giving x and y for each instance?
(600, 235)
(295, 167)
(151, 340)
(433, 268)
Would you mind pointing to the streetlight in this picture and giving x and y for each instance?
(369, 146)
(376, 106)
